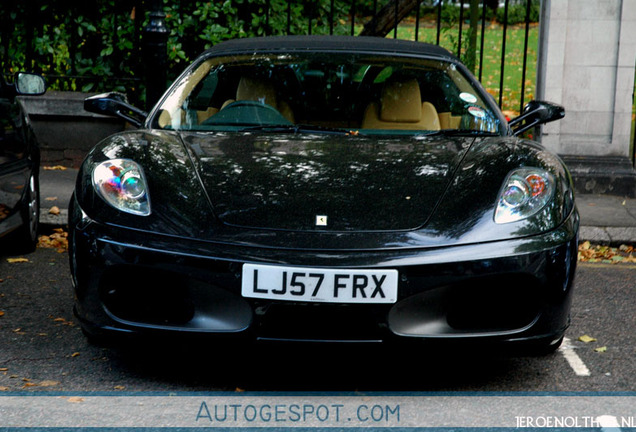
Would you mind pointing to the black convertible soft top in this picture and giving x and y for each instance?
(329, 43)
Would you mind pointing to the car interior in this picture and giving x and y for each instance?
(330, 95)
(401, 107)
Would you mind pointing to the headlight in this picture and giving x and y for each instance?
(122, 184)
(525, 192)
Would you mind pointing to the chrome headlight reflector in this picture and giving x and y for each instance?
(525, 192)
(122, 184)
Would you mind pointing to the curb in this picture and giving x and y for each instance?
(607, 235)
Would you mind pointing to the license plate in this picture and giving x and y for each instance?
(319, 285)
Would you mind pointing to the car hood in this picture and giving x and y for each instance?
(325, 182)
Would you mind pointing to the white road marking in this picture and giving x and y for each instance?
(573, 359)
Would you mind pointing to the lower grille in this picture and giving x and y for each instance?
(321, 322)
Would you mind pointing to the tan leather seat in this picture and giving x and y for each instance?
(401, 107)
(448, 121)
(204, 115)
(260, 90)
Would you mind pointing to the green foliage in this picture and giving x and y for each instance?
(76, 41)
(198, 25)
(517, 12)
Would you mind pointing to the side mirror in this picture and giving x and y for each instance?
(29, 84)
(534, 114)
(115, 105)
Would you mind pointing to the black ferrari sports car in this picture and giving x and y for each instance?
(333, 189)
(19, 166)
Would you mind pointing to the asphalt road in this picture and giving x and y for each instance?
(43, 349)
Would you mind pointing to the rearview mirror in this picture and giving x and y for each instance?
(29, 84)
(116, 105)
(534, 114)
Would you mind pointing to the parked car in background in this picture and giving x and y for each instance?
(19, 166)
(325, 189)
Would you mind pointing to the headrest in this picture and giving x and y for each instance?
(401, 102)
(256, 89)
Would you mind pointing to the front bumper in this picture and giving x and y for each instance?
(132, 282)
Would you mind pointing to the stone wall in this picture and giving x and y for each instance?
(589, 54)
(65, 131)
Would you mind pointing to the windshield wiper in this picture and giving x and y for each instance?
(295, 128)
(460, 132)
(304, 128)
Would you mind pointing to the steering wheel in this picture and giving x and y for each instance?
(248, 113)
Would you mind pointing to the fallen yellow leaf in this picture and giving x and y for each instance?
(3, 388)
(49, 383)
(54, 168)
(587, 339)
(63, 321)
(58, 240)
(1, 313)
(75, 399)
(119, 387)
(601, 349)
(55, 210)
(50, 198)
(17, 260)
(75, 354)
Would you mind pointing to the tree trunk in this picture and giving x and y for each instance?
(471, 55)
(388, 17)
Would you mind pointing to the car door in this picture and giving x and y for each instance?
(18, 156)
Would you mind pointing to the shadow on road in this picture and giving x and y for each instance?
(313, 367)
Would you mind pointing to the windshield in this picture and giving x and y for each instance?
(352, 93)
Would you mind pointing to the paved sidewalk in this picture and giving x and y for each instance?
(607, 219)
(604, 218)
(56, 188)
